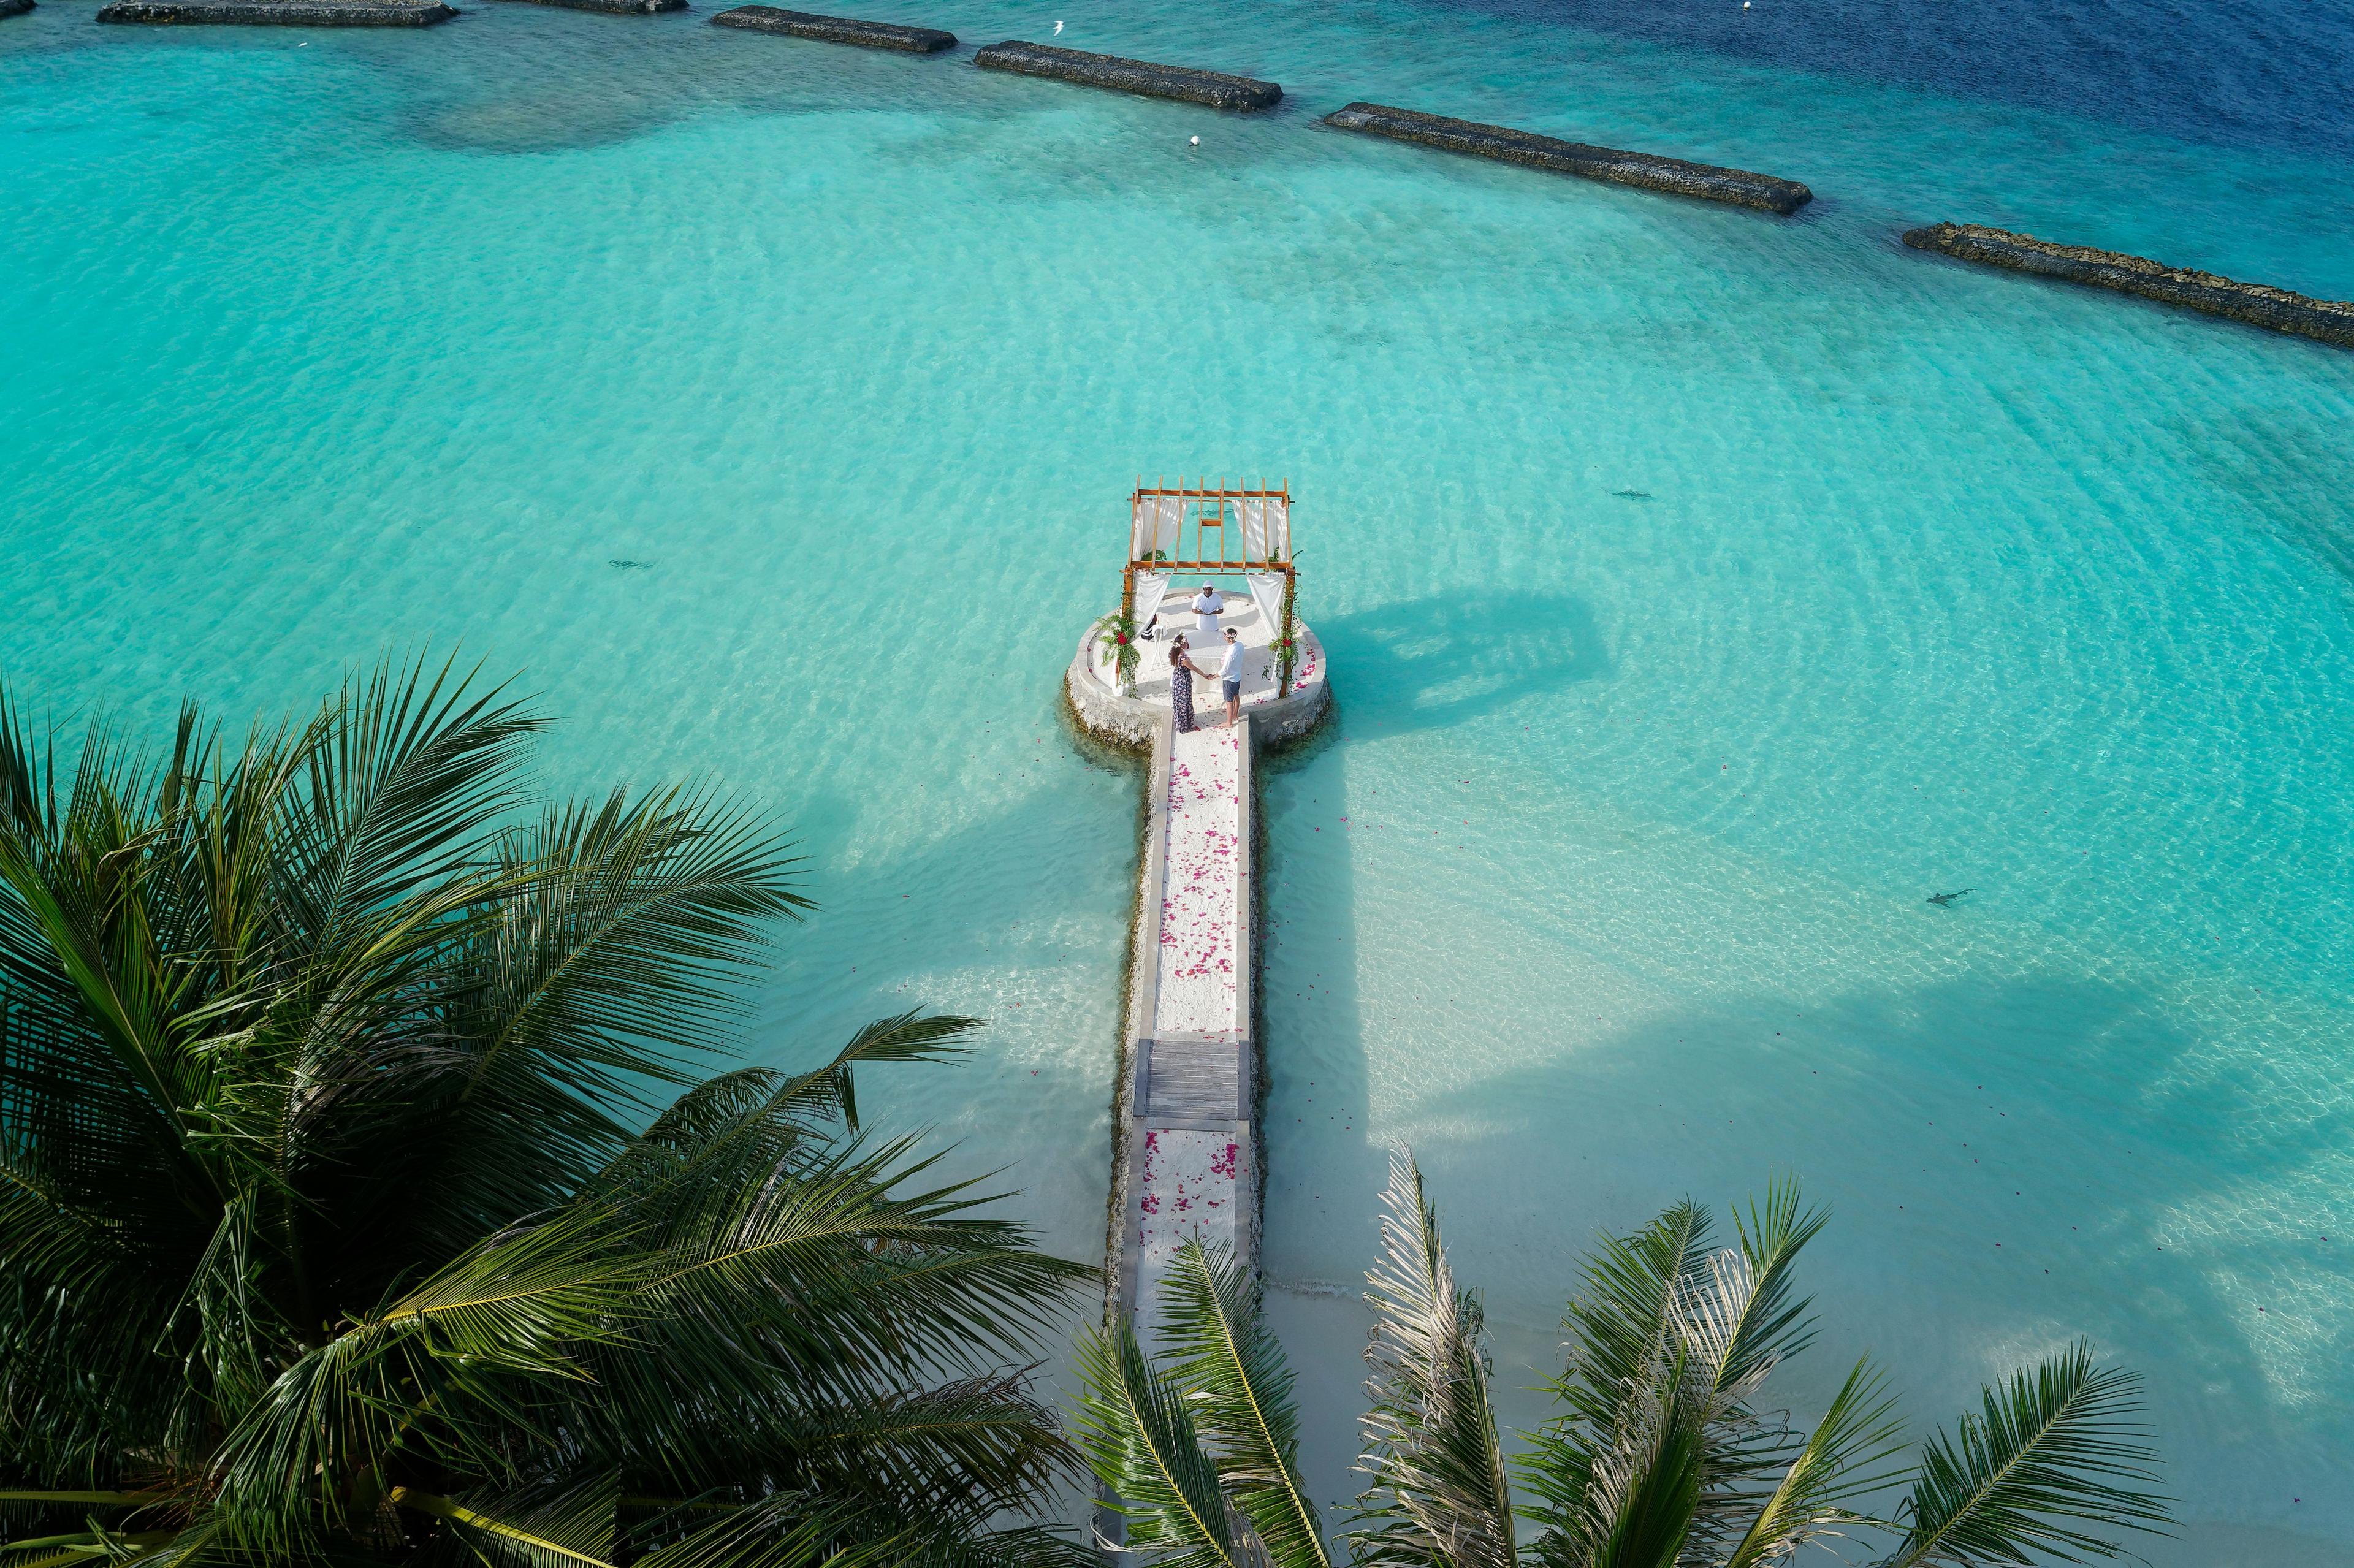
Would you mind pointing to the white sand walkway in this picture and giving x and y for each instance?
(1190, 1173)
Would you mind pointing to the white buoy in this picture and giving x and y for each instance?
(1198, 140)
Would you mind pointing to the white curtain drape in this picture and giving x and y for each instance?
(1158, 520)
(1267, 592)
(1151, 588)
(1267, 531)
(1254, 530)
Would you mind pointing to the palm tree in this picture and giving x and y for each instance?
(1661, 1454)
(341, 1220)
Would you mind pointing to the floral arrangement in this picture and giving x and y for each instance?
(1118, 632)
(1287, 638)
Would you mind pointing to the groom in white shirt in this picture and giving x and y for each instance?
(1230, 676)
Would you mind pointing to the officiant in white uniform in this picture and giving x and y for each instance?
(1208, 609)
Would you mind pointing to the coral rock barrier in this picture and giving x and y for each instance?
(280, 13)
(617, 8)
(837, 29)
(1645, 170)
(13, 8)
(1215, 89)
(2257, 304)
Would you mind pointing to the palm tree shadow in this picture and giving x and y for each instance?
(2012, 1163)
(1429, 662)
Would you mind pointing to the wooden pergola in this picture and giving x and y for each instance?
(1242, 529)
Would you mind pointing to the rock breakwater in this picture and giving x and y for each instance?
(1187, 85)
(836, 29)
(279, 13)
(2258, 304)
(1645, 170)
(617, 7)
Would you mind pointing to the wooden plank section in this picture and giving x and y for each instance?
(836, 29)
(1187, 85)
(1199, 1080)
(2257, 304)
(1645, 170)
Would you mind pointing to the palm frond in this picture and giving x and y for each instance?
(1840, 1461)
(906, 1278)
(2053, 1454)
(1737, 1320)
(954, 1456)
(404, 769)
(795, 1530)
(1621, 1474)
(1438, 1491)
(318, 1187)
(479, 1347)
(1238, 1389)
(1772, 1325)
(1134, 1428)
(905, 1037)
(632, 921)
(1624, 1316)
(571, 1528)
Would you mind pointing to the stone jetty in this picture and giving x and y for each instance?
(1215, 89)
(2325, 321)
(1645, 170)
(1185, 1158)
(279, 13)
(837, 29)
(13, 8)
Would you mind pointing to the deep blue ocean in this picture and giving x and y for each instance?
(1703, 590)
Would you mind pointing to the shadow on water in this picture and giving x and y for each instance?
(1410, 666)
(2013, 1164)
(1316, 1160)
(1427, 663)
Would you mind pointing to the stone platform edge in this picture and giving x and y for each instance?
(278, 12)
(1649, 171)
(1128, 724)
(2257, 304)
(836, 29)
(1183, 83)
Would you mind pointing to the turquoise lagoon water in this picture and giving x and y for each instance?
(1704, 590)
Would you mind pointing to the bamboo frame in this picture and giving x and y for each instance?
(1195, 494)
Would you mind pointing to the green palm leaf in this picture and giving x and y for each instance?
(2058, 1448)
(1438, 1492)
(1139, 1437)
(1839, 1462)
(404, 769)
(320, 1056)
(1238, 1391)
